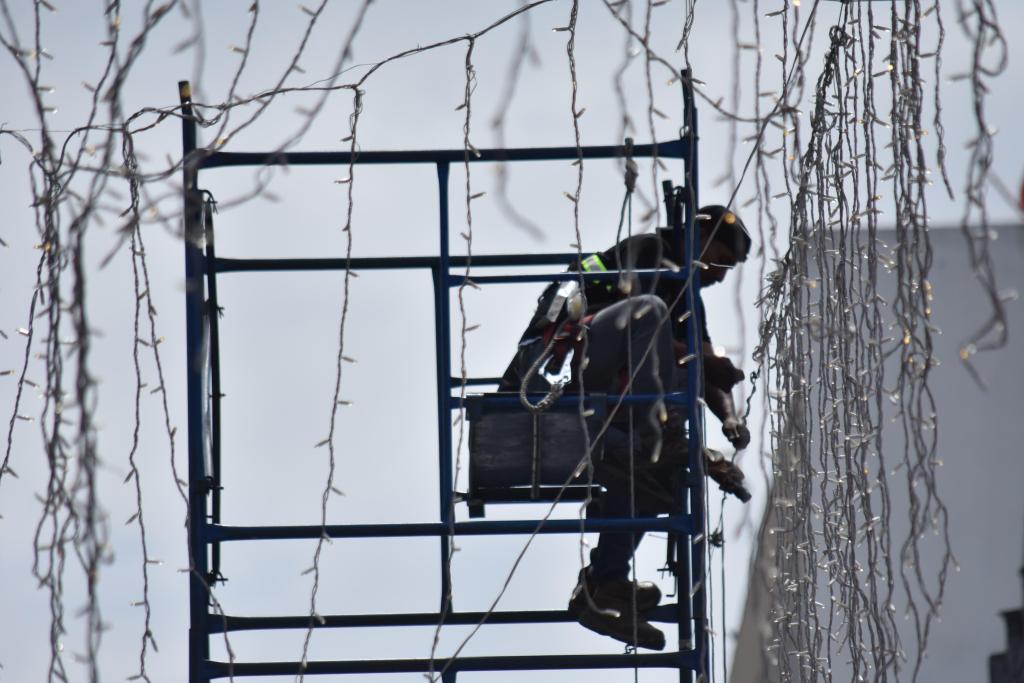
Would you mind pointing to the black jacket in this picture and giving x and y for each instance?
(642, 252)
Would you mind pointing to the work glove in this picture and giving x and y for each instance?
(736, 432)
(727, 475)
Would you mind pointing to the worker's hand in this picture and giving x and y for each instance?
(736, 432)
(727, 475)
(720, 372)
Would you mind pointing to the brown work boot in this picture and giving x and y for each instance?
(609, 611)
(616, 594)
(637, 632)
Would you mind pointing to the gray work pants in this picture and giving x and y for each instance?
(629, 339)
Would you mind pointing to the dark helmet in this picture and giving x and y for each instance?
(730, 229)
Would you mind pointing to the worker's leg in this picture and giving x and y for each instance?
(631, 338)
(633, 335)
(629, 347)
(609, 561)
(605, 600)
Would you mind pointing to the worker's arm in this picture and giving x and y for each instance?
(720, 376)
(719, 370)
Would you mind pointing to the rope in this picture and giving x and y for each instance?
(557, 389)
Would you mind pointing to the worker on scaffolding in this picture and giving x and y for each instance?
(634, 342)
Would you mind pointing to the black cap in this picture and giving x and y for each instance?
(730, 229)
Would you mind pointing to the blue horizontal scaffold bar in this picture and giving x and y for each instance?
(235, 265)
(666, 660)
(677, 149)
(677, 524)
(219, 623)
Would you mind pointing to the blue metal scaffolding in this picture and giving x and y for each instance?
(206, 533)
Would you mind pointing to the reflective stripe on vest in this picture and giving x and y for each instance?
(593, 263)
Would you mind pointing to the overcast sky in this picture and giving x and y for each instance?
(279, 332)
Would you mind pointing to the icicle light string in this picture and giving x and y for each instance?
(523, 53)
(246, 51)
(827, 332)
(315, 619)
(585, 464)
(53, 574)
(92, 553)
(653, 215)
(469, 151)
(329, 488)
(134, 474)
(268, 98)
(979, 23)
(728, 175)
(626, 125)
(706, 578)
(826, 381)
(768, 249)
(71, 508)
(71, 511)
(940, 129)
